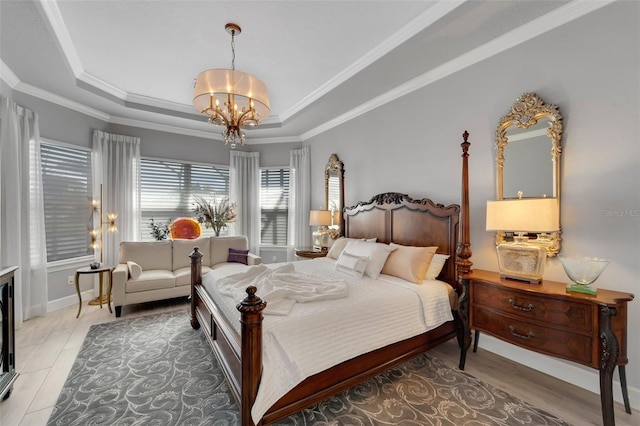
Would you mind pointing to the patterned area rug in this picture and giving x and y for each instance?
(157, 370)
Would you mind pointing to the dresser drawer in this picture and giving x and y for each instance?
(564, 344)
(529, 306)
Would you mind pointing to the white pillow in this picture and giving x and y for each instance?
(376, 252)
(134, 270)
(436, 265)
(352, 265)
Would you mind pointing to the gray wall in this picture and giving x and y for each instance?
(581, 67)
(589, 68)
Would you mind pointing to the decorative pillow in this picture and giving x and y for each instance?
(436, 265)
(376, 252)
(338, 245)
(352, 265)
(238, 256)
(134, 270)
(408, 262)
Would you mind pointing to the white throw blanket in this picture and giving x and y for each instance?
(282, 287)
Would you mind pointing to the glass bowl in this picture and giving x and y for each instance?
(583, 271)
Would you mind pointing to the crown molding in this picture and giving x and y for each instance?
(538, 26)
(423, 21)
(547, 22)
(52, 15)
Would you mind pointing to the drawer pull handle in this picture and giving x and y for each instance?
(521, 308)
(529, 335)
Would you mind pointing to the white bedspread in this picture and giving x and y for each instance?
(318, 335)
(281, 287)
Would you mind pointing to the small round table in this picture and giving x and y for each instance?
(100, 270)
(310, 252)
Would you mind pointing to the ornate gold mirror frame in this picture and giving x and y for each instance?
(334, 193)
(525, 113)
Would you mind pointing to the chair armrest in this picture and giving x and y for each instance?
(253, 259)
(119, 277)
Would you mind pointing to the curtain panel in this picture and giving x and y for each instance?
(116, 166)
(299, 200)
(22, 233)
(244, 189)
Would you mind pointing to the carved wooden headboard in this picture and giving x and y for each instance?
(395, 217)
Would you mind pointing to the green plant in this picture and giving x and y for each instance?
(214, 214)
(159, 231)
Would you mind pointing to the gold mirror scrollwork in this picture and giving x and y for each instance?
(530, 116)
(334, 193)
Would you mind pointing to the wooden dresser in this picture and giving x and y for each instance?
(545, 318)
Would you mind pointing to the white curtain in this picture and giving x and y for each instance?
(116, 165)
(244, 189)
(299, 200)
(23, 241)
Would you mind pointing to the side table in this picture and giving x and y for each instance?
(545, 318)
(310, 253)
(100, 271)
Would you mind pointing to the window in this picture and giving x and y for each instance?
(66, 181)
(274, 206)
(167, 189)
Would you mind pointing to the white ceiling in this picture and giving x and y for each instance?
(324, 62)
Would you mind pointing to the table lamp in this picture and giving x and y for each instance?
(320, 237)
(522, 259)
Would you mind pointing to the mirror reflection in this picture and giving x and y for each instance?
(334, 192)
(528, 145)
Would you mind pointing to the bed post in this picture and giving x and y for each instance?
(196, 278)
(463, 253)
(250, 308)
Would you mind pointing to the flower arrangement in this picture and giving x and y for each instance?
(159, 231)
(214, 214)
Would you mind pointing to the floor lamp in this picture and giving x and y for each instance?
(97, 235)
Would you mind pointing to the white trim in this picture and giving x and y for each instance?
(532, 29)
(424, 20)
(63, 302)
(54, 18)
(8, 76)
(65, 144)
(73, 263)
(165, 128)
(583, 377)
(195, 163)
(91, 80)
(541, 25)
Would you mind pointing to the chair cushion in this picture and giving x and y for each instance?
(149, 255)
(220, 248)
(183, 248)
(153, 279)
(183, 275)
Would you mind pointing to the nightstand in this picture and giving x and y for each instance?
(587, 329)
(310, 253)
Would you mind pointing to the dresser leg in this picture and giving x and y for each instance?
(625, 392)
(609, 349)
(476, 338)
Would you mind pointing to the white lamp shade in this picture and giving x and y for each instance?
(219, 83)
(523, 215)
(320, 218)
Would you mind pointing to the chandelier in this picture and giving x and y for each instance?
(231, 98)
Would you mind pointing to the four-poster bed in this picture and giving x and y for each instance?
(390, 218)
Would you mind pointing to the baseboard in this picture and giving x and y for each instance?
(575, 374)
(54, 305)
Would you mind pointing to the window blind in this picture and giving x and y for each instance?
(167, 189)
(274, 206)
(66, 181)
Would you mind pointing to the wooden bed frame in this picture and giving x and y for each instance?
(390, 217)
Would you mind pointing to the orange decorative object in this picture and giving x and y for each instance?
(185, 228)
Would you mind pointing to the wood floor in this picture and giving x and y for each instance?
(46, 348)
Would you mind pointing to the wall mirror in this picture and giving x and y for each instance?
(334, 193)
(528, 148)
